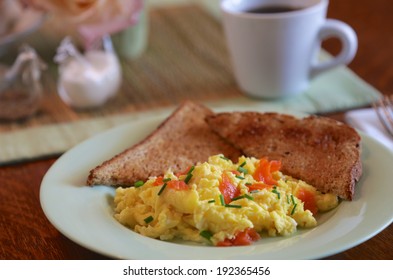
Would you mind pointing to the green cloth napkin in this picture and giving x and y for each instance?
(336, 90)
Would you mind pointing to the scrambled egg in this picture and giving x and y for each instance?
(221, 203)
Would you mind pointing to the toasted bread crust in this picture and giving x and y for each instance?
(323, 152)
(182, 140)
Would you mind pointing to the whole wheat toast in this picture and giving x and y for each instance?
(182, 140)
(323, 152)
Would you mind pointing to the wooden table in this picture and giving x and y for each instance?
(25, 233)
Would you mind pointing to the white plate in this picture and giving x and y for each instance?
(85, 214)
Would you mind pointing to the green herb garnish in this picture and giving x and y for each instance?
(138, 184)
(293, 209)
(233, 206)
(148, 219)
(243, 196)
(206, 234)
(225, 158)
(238, 197)
(294, 205)
(191, 169)
(241, 168)
(276, 192)
(222, 200)
(162, 189)
(188, 178)
(240, 177)
(249, 197)
(166, 180)
(293, 200)
(211, 201)
(189, 174)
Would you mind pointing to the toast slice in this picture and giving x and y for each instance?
(182, 140)
(320, 151)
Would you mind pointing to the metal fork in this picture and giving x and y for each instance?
(384, 109)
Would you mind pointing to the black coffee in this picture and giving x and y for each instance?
(273, 9)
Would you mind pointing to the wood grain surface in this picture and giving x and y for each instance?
(25, 232)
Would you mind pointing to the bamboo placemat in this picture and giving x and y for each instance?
(186, 58)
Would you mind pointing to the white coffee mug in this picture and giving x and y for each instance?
(275, 53)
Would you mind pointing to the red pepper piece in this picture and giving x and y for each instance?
(264, 170)
(159, 181)
(228, 189)
(258, 186)
(242, 238)
(177, 185)
(308, 199)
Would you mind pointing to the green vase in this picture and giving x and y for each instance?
(131, 42)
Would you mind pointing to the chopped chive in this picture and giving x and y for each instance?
(249, 197)
(148, 219)
(238, 197)
(288, 199)
(248, 184)
(243, 196)
(211, 201)
(138, 184)
(242, 170)
(162, 189)
(233, 206)
(225, 158)
(294, 205)
(276, 192)
(189, 174)
(206, 234)
(254, 191)
(166, 180)
(188, 178)
(293, 209)
(222, 200)
(240, 177)
(191, 169)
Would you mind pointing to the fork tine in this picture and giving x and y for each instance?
(384, 109)
(388, 109)
(390, 106)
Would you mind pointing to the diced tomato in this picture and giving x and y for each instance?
(264, 170)
(242, 238)
(178, 174)
(275, 165)
(258, 186)
(228, 189)
(177, 185)
(159, 181)
(237, 173)
(308, 199)
(225, 243)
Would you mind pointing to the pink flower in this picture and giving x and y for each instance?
(93, 18)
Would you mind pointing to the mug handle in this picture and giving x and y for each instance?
(347, 36)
